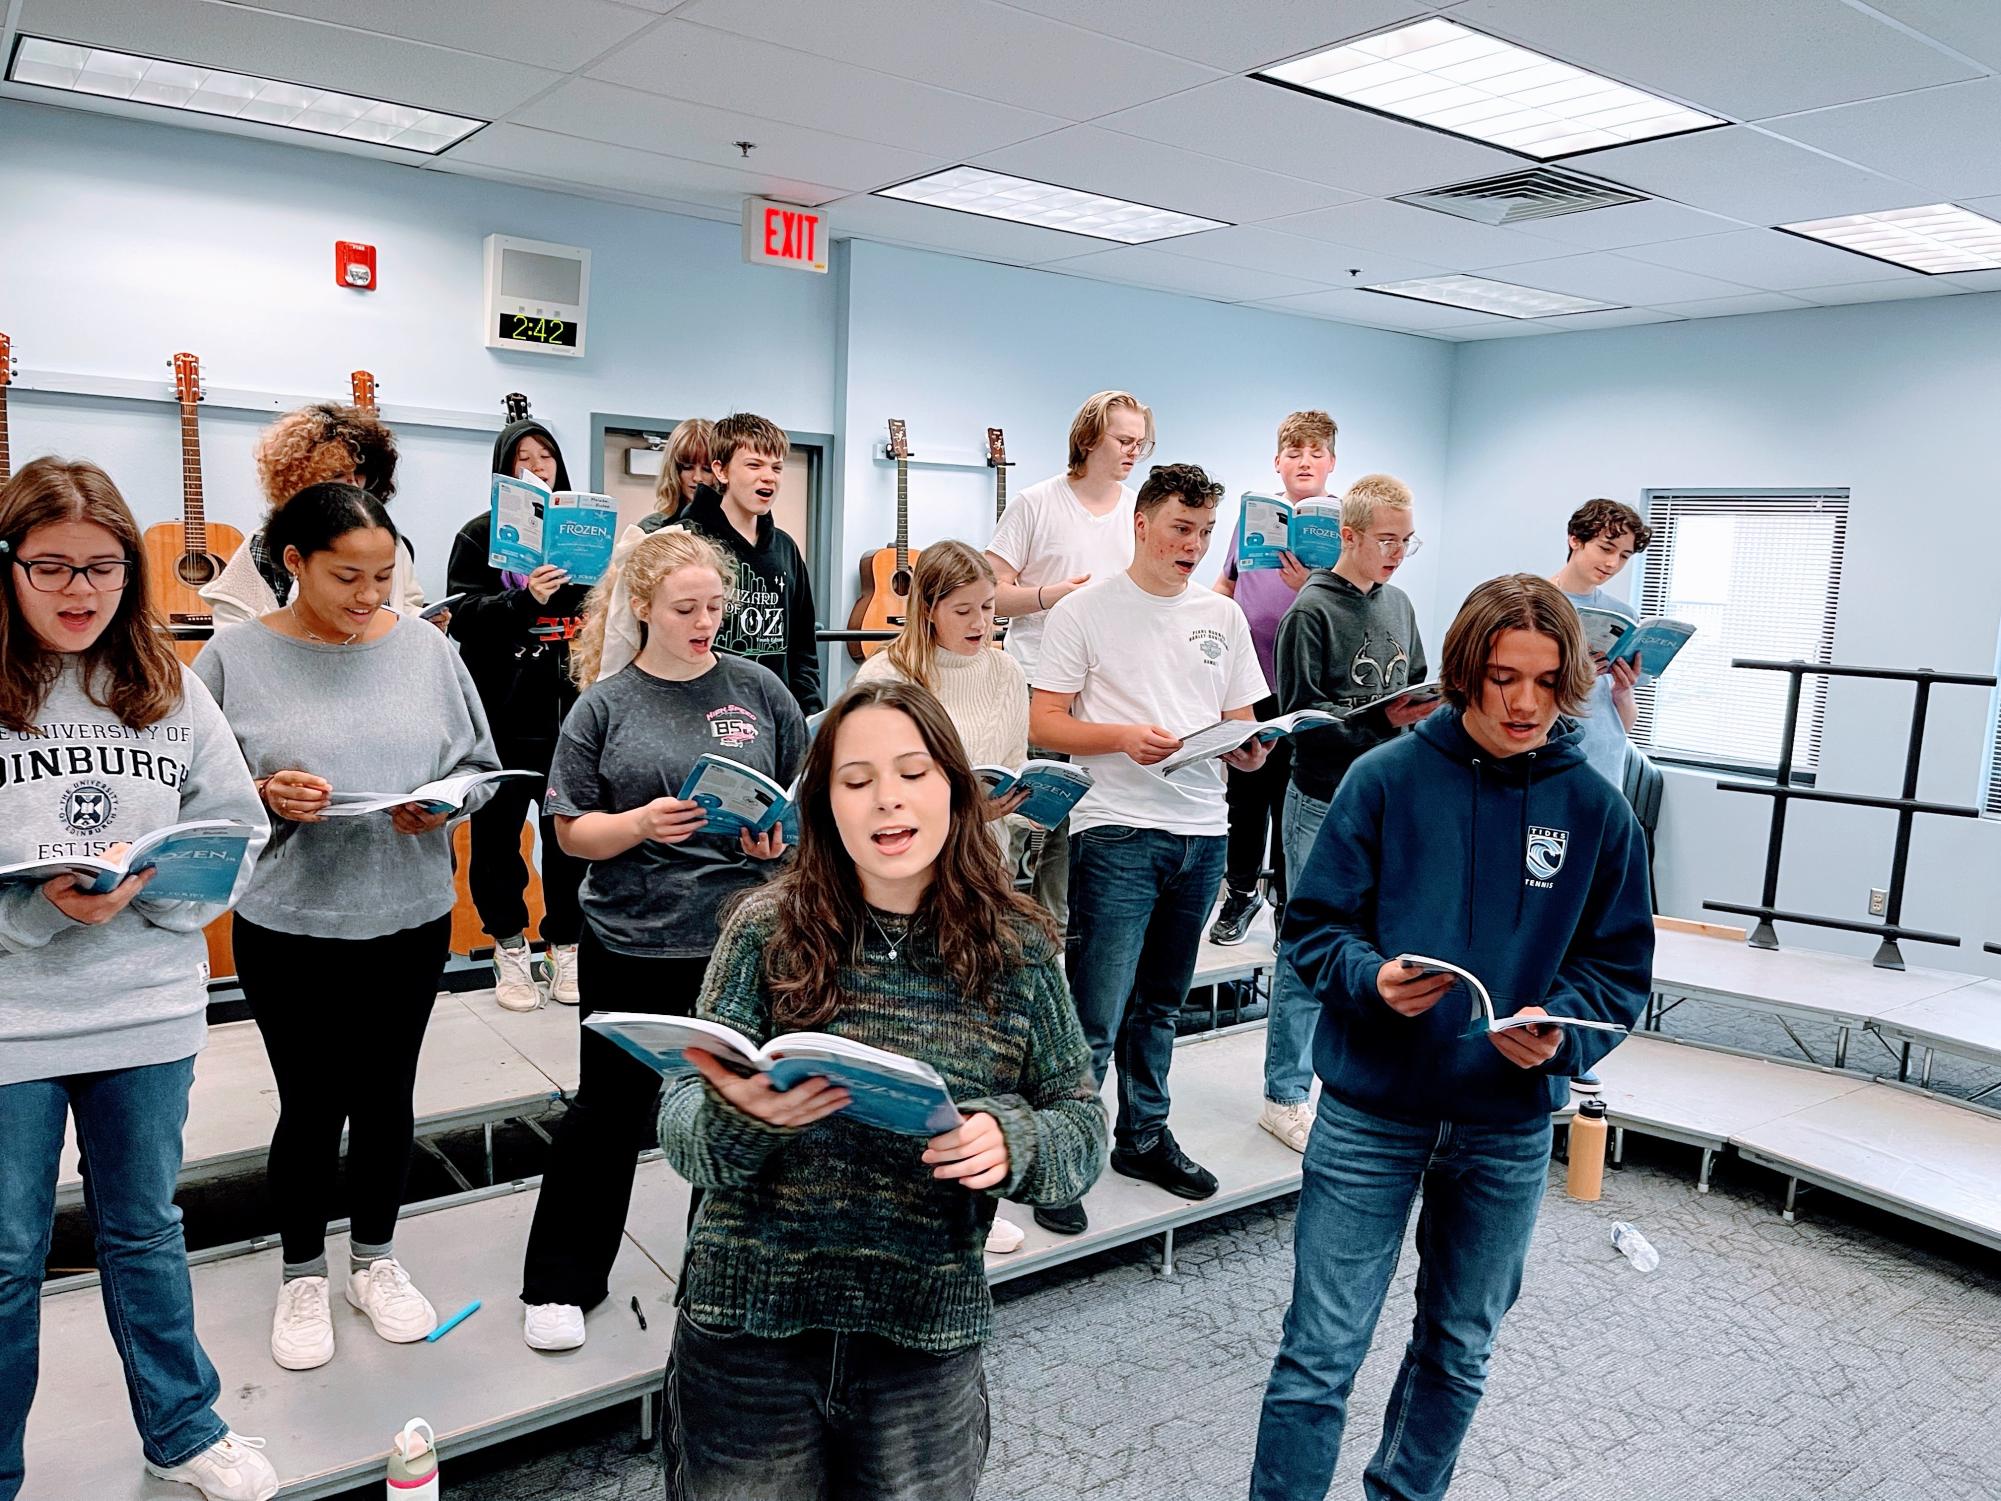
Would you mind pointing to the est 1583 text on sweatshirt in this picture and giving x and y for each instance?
(1530, 870)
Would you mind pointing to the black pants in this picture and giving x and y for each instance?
(613, 1116)
(820, 1416)
(498, 877)
(343, 1021)
(1256, 801)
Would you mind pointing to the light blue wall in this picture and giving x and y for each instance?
(1893, 400)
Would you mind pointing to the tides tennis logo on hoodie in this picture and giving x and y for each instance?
(1545, 855)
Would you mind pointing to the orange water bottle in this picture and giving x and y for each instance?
(1586, 1177)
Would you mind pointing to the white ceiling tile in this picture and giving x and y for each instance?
(1319, 261)
(589, 164)
(1235, 38)
(1123, 166)
(294, 51)
(1421, 234)
(1747, 61)
(704, 66)
(898, 222)
(1617, 317)
(1611, 277)
(986, 49)
(1941, 139)
(1645, 223)
(1723, 307)
(720, 210)
(1969, 26)
(1142, 266)
(1769, 260)
(1750, 176)
(1377, 309)
(516, 29)
(1500, 328)
(1263, 125)
(626, 117)
(1880, 291)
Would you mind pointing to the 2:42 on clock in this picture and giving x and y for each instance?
(524, 328)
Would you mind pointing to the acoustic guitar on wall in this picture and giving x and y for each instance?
(183, 556)
(885, 591)
(997, 460)
(361, 390)
(6, 380)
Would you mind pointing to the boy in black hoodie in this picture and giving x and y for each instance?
(769, 618)
(1483, 839)
(514, 634)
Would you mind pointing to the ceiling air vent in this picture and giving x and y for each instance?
(1534, 193)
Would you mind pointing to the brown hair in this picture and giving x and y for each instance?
(1303, 429)
(1187, 483)
(742, 430)
(687, 448)
(666, 551)
(1609, 518)
(130, 669)
(941, 568)
(1370, 494)
(1087, 428)
(323, 442)
(1515, 602)
(979, 924)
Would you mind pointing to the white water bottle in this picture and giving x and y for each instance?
(413, 1463)
(1634, 1247)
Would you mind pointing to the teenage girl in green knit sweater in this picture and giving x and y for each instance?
(834, 1298)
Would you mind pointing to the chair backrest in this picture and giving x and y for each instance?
(1643, 784)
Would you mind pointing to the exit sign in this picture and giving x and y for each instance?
(783, 234)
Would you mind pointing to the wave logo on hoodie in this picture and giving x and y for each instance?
(1545, 854)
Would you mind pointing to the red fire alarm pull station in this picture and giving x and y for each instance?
(354, 265)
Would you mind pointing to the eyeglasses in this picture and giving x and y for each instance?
(1139, 448)
(48, 576)
(1391, 546)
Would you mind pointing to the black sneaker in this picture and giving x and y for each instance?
(1233, 925)
(1063, 1219)
(1165, 1165)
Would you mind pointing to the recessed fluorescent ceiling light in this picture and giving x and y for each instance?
(239, 96)
(973, 190)
(1441, 74)
(1936, 239)
(1485, 296)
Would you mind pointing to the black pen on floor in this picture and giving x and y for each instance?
(638, 1312)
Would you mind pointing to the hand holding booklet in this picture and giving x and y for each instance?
(1054, 788)
(195, 862)
(574, 530)
(446, 795)
(1226, 735)
(740, 799)
(1617, 637)
(885, 1089)
(1483, 1019)
(1308, 529)
(1416, 696)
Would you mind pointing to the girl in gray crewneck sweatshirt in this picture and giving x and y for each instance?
(104, 737)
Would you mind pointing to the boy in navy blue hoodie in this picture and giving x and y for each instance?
(1483, 839)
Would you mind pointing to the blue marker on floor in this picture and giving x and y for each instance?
(452, 1323)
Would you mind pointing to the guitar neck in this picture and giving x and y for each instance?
(902, 513)
(193, 521)
(6, 467)
(1000, 492)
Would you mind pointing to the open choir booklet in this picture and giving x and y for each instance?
(1054, 788)
(1309, 529)
(1225, 735)
(1652, 642)
(446, 795)
(886, 1089)
(740, 798)
(573, 530)
(196, 862)
(1416, 695)
(1483, 1018)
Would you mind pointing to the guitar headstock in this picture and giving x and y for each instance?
(362, 386)
(187, 379)
(8, 369)
(899, 439)
(516, 406)
(996, 449)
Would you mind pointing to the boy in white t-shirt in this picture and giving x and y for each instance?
(1056, 537)
(1128, 666)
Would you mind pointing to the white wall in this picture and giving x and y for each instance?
(1893, 400)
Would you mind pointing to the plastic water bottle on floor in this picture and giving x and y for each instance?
(1635, 1247)
(413, 1463)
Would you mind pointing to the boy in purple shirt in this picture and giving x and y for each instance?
(1257, 798)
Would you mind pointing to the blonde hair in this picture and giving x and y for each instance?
(666, 551)
(1304, 429)
(1370, 494)
(1515, 602)
(941, 568)
(688, 447)
(1087, 428)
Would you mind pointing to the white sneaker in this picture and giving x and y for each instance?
(514, 979)
(553, 1326)
(383, 1291)
(1291, 1124)
(302, 1329)
(561, 965)
(230, 1469)
(1004, 1236)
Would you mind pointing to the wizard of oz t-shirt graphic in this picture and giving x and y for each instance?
(753, 616)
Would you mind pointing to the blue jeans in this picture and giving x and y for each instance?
(1138, 901)
(1482, 1186)
(128, 1123)
(1295, 1010)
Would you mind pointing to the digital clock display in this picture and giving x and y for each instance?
(525, 328)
